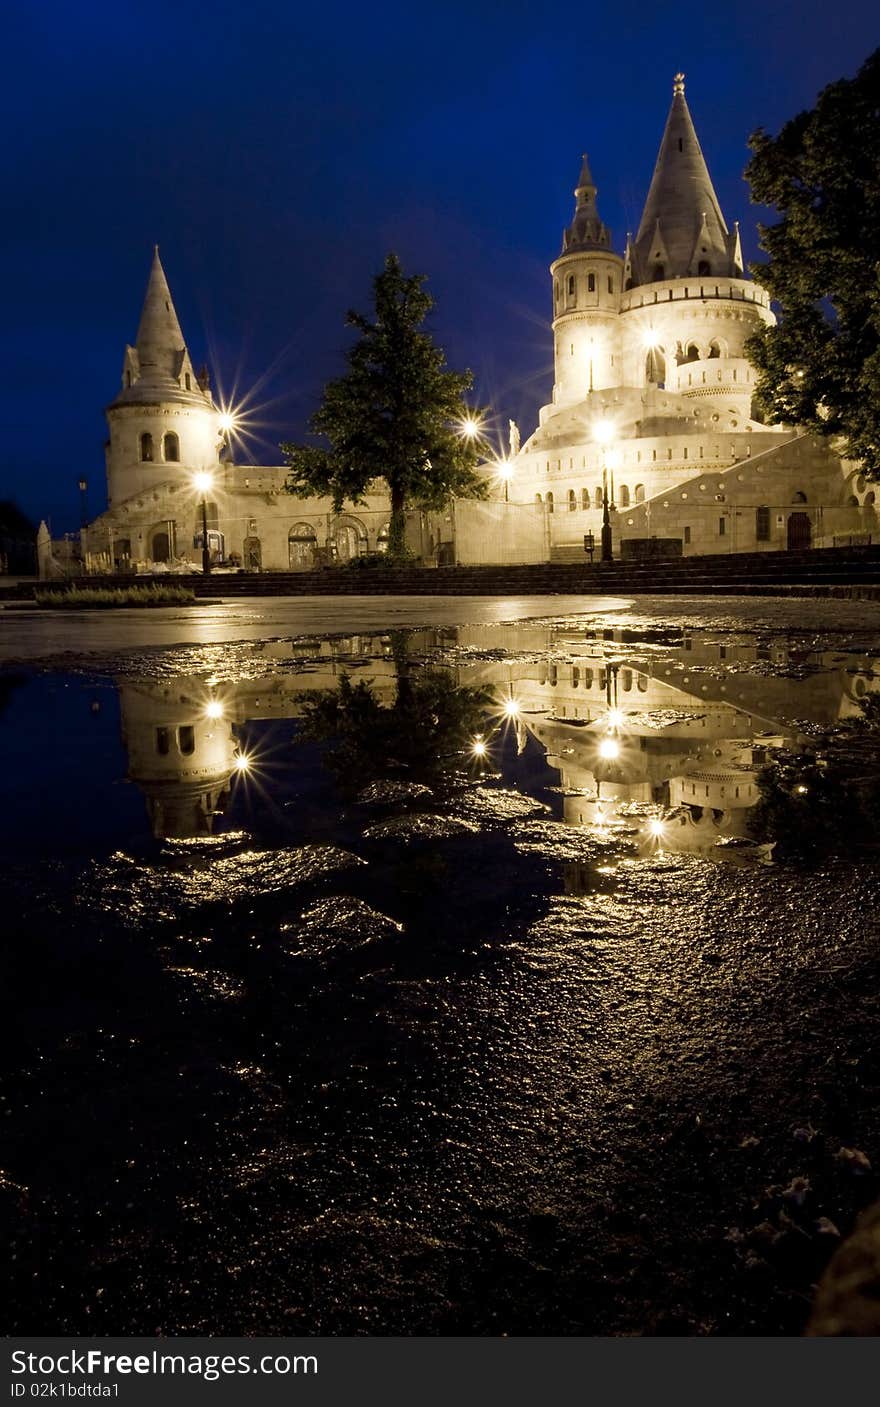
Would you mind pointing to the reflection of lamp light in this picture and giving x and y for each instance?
(655, 827)
(613, 718)
(609, 748)
(479, 748)
(511, 708)
(214, 709)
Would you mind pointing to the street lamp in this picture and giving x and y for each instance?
(203, 483)
(504, 471)
(603, 433)
(83, 510)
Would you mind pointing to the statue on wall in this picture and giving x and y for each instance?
(513, 432)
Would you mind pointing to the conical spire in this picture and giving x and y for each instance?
(586, 230)
(682, 230)
(160, 344)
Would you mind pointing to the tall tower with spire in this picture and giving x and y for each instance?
(682, 232)
(164, 426)
(587, 284)
(688, 307)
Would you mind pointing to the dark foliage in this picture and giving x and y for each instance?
(394, 416)
(820, 366)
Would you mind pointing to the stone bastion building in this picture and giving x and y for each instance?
(651, 407)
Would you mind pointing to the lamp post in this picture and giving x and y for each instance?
(505, 472)
(83, 510)
(203, 483)
(603, 433)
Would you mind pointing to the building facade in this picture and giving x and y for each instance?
(651, 412)
(652, 395)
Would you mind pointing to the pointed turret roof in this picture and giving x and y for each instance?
(159, 339)
(159, 365)
(586, 230)
(682, 218)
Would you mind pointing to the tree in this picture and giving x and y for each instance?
(396, 414)
(820, 366)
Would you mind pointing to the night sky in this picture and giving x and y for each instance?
(276, 151)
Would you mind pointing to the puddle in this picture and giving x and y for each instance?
(423, 982)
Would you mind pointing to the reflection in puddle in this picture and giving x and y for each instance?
(657, 744)
(326, 1019)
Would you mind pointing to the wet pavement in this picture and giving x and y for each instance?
(458, 980)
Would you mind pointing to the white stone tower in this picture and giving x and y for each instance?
(687, 306)
(587, 285)
(164, 426)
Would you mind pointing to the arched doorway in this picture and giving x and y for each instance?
(799, 531)
(302, 544)
(160, 550)
(253, 554)
(349, 539)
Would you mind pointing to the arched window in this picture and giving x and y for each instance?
(693, 353)
(188, 381)
(549, 503)
(572, 501)
(171, 448)
(186, 739)
(585, 499)
(714, 349)
(128, 378)
(704, 268)
(539, 502)
(597, 498)
(762, 524)
(384, 538)
(147, 447)
(799, 497)
(639, 492)
(659, 273)
(556, 292)
(571, 285)
(591, 283)
(624, 496)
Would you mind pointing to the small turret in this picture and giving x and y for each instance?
(164, 425)
(586, 230)
(587, 284)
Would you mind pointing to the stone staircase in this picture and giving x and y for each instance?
(850, 571)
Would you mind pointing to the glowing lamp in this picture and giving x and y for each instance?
(603, 432)
(203, 481)
(470, 427)
(511, 708)
(609, 748)
(479, 748)
(242, 763)
(227, 421)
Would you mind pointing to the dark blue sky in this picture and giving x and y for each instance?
(277, 150)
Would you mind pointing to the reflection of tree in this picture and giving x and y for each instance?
(431, 720)
(824, 800)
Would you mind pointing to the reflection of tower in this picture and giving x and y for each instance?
(181, 758)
